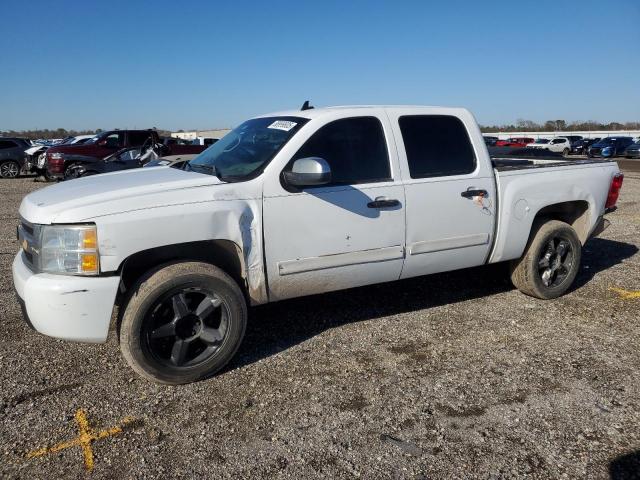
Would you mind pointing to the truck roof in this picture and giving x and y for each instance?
(318, 112)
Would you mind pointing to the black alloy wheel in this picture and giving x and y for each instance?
(185, 328)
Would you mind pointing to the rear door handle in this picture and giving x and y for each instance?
(473, 192)
(383, 202)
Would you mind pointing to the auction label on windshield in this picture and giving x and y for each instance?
(285, 125)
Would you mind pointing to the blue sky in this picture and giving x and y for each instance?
(184, 64)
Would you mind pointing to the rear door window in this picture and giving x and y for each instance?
(436, 146)
(4, 144)
(355, 149)
(137, 138)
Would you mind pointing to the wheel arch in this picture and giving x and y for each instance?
(224, 254)
(576, 213)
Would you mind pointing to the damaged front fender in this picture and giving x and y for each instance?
(219, 219)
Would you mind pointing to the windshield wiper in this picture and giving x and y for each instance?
(209, 168)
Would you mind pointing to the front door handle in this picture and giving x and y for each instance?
(383, 202)
(473, 192)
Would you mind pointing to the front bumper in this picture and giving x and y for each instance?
(65, 306)
(632, 154)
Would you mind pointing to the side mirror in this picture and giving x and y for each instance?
(307, 172)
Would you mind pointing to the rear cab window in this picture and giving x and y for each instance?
(436, 146)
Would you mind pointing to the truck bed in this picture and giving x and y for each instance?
(506, 164)
(526, 186)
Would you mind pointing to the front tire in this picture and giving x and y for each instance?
(182, 323)
(550, 263)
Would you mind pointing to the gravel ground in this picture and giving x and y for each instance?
(449, 376)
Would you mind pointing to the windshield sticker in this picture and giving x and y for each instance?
(282, 125)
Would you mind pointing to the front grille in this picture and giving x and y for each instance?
(29, 239)
(27, 227)
(595, 151)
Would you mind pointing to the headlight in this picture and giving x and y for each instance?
(70, 249)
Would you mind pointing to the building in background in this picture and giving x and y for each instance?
(194, 134)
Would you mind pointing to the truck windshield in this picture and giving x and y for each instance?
(245, 151)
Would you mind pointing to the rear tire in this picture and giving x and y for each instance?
(565, 152)
(550, 263)
(9, 169)
(182, 323)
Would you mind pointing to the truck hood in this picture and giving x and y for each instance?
(109, 193)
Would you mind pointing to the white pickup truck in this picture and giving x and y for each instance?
(290, 204)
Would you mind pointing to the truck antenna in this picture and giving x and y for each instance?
(306, 106)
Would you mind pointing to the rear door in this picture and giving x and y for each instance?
(449, 189)
(344, 234)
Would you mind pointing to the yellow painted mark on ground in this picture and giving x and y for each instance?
(84, 439)
(626, 294)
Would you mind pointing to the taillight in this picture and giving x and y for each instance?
(614, 191)
(55, 162)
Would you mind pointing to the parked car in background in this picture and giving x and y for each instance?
(60, 158)
(633, 150)
(125, 159)
(292, 204)
(557, 144)
(539, 143)
(36, 158)
(580, 147)
(12, 156)
(541, 153)
(573, 138)
(490, 141)
(609, 147)
(515, 142)
(204, 141)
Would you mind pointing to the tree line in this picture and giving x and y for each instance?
(48, 134)
(522, 125)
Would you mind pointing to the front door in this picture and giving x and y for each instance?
(344, 234)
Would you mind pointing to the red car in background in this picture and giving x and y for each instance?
(516, 142)
(61, 158)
